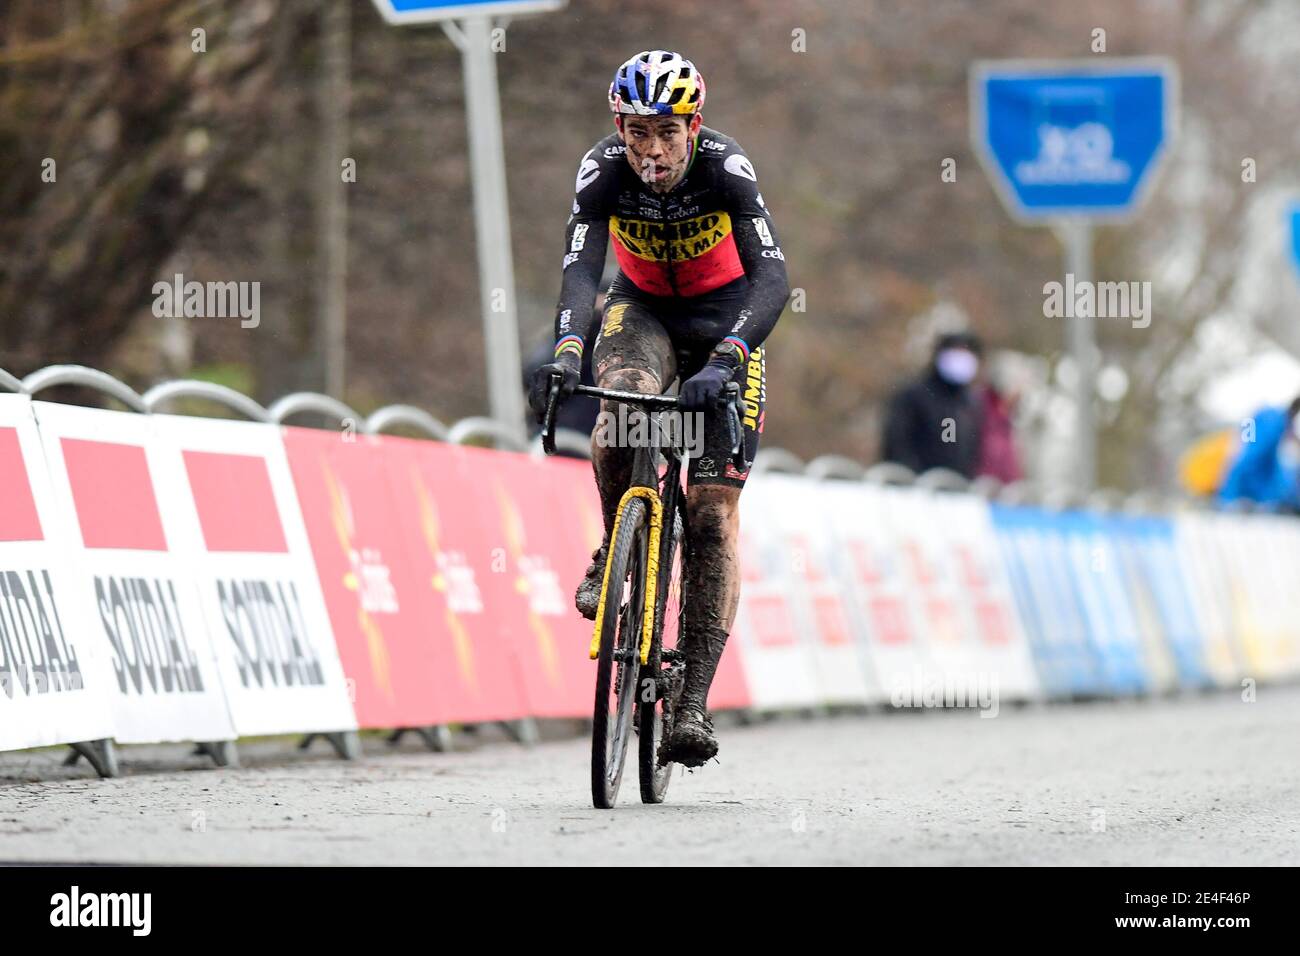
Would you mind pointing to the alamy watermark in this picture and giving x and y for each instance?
(633, 428)
(209, 300)
(1105, 300)
(956, 689)
(75, 908)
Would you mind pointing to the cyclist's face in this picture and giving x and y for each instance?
(657, 147)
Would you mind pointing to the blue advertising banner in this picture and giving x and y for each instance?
(1173, 601)
(1036, 553)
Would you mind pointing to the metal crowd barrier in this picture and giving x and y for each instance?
(478, 428)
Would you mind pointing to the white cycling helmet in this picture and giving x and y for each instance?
(657, 83)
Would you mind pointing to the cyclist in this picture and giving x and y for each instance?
(701, 283)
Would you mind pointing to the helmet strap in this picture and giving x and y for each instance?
(695, 142)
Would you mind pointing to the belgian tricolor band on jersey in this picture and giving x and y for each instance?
(688, 257)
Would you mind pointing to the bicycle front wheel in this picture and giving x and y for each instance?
(661, 681)
(618, 663)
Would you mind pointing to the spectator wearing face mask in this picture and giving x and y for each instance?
(935, 420)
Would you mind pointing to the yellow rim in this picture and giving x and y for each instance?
(651, 571)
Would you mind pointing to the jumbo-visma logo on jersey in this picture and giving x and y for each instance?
(684, 257)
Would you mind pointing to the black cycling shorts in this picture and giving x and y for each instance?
(636, 334)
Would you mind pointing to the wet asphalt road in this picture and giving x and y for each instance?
(1205, 779)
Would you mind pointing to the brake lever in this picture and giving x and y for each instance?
(548, 421)
(735, 430)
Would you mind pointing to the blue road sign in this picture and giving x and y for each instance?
(1072, 137)
(427, 11)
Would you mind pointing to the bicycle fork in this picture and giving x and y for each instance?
(651, 571)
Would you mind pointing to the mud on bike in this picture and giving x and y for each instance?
(639, 671)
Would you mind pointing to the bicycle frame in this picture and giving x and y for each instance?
(644, 484)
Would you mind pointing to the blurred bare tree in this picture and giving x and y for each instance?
(115, 138)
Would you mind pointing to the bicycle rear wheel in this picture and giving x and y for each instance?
(618, 663)
(662, 678)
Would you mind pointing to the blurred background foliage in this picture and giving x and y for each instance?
(217, 165)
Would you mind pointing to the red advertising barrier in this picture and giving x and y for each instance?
(383, 612)
(498, 598)
(538, 516)
(448, 574)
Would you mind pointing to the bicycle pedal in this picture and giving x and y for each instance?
(670, 656)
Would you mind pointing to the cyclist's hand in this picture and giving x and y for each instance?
(702, 389)
(569, 366)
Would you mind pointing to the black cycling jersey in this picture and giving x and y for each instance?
(705, 252)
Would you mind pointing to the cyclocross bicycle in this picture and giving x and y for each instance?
(639, 671)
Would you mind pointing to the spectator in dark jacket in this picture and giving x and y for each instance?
(935, 421)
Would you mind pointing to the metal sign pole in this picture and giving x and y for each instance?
(1074, 142)
(491, 221)
(1075, 233)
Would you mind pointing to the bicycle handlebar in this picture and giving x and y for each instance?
(730, 398)
(630, 398)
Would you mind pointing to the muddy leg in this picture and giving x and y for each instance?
(634, 354)
(712, 584)
(612, 461)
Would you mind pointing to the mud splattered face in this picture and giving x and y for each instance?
(658, 147)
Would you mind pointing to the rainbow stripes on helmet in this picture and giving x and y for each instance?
(657, 83)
